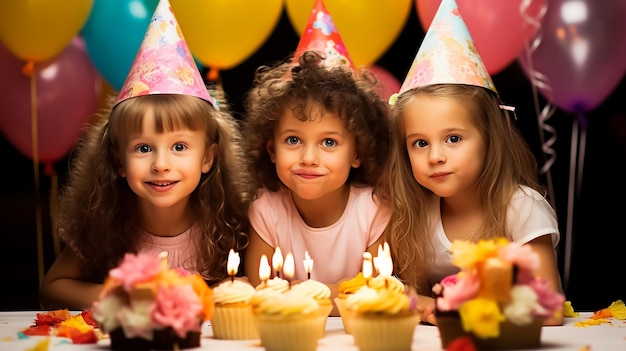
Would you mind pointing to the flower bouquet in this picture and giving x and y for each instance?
(146, 306)
(496, 300)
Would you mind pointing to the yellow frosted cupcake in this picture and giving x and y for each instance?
(289, 321)
(381, 319)
(318, 291)
(345, 289)
(232, 317)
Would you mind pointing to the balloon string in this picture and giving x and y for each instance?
(539, 80)
(29, 69)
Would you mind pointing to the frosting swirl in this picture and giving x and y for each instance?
(288, 303)
(369, 300)
(233, 292)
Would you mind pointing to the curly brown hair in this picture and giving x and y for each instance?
(96, 213)
(311, 89)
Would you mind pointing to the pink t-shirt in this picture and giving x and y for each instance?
(182, 251)
(336, 250)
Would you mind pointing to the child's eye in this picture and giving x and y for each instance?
(143, 148)
(453, 139)
(180, 147)
(329, 142)
(292, 140)
(421, 143)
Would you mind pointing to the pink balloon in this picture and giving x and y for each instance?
(582, 53)
(68, 88)
(390, 84)
(500, 28)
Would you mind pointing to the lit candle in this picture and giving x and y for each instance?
(277, 261)
(289, 268)
(377, 258)
(163, 259)
(233, 264)
(367, 266)
(264, 269)
(308, 264)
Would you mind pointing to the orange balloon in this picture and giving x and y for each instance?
(39, 30)
(367, 27)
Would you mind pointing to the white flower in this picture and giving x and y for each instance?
(104, 311)
(136, 319)
(524, 301)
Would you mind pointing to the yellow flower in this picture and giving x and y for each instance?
(618, 310)
(568, 310)
(481, 317)
(467, 255)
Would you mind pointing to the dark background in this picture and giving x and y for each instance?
(598, 234)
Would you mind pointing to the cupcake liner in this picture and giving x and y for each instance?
(380, 332)
(344, 314)
(291, 332)
(234, 322)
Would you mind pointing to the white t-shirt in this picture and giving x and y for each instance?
(336, 250)
(529, 216)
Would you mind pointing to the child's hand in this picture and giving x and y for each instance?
(425, 305)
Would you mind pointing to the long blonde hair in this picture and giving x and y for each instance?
(509, 163)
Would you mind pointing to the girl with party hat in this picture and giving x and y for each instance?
(162, 170)
(459, 169)
(317, 133)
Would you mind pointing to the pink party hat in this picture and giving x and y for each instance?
(163, 64)
(321, 35)
(447, 54)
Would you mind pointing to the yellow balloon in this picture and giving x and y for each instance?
(221, 34)
(368, 27)
(39, 30)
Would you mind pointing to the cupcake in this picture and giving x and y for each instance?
(146, 306)
(318, 291)
(495, 299)
(382, 319)
(345, 289)
(232, 318)
(289, 321)
(269, 288)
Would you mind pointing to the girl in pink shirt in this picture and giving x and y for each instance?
(317, 137)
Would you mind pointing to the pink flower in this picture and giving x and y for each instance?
(136, 269)
(522, 256)
(177, 306)
(454, 295)
(549, 300)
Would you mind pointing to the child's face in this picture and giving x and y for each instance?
(446, 150)
(313, 158)
(163, 169)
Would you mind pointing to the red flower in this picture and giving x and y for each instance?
(463, 343)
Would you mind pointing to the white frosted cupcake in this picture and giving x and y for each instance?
(269, 288)
(381, 319)
(232, 318)
(289, 321)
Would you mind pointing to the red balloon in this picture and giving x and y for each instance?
(389, 83)
(68, 87)
(500, 28)
(581, 56)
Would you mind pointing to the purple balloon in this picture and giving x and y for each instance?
(582, 53)
(68, 88)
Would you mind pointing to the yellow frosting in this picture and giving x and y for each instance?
(390, 283)
(350, 286)
(233, 292)
(369, 300)
(288, 303)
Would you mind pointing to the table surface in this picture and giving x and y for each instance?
(604, 337)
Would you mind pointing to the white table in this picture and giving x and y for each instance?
(605, 337)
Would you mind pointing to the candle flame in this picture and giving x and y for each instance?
(367, 265)
(308, 262)
(264, 269)
(289, 267)
(277, 259)
(232, 265)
